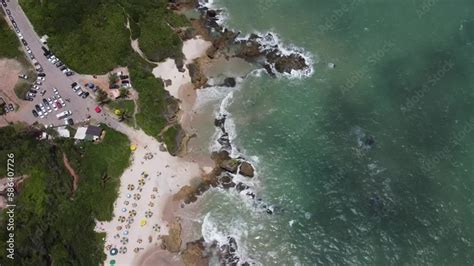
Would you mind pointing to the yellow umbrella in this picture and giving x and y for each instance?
(133, 147)
(143, 222)
(118, 112)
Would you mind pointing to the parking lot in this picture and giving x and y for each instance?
(52, 92)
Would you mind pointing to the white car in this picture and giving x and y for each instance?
(79, 92)
(40, 78)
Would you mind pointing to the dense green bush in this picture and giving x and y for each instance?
(53, 225)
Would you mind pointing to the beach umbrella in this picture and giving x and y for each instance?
(143, 222)
(129, 195)
(134, 205)
(155, 189)
(132, 213)
(126, 202)
(113, 251)
(153, 196)
(125, 232)
(124, 209)
(121, 219)
(133, 147)
(119, 228)
(130, 187)
(141, 182)
(137, 196)
(148, 214)
(124, 240)
(156, 228)
(151, 204)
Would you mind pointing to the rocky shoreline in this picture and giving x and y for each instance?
(262, 52)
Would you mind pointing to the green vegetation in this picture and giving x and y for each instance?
(127, 108)
(91, 37)
(9, 44)
(102, 97)
(54, 225)
(170, 137)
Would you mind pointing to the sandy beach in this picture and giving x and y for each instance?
(148, 185)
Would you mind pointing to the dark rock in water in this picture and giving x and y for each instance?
(220, 121)
(246, 169)
(230, 82)
(224, 141)
(287, 63)
(376, 204)
(226, 182)
(211, 13)
(369, 141)
(251, 195)
(241, 187)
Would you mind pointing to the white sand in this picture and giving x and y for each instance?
(165, 173)
(167, 70)
(195, 48)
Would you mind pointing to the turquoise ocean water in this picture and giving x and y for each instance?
(370, 162)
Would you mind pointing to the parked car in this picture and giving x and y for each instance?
(33, 91)
(80, 92)
(43, 92)
(62, 68)
(69, 73)
(85, 95)
(41, 75)
(8, 11)
(31, 95)
(11, 107)
(4, 4)
(40, 78)
(38, 108)
(35, 114)
(45, 102)
(23, 76)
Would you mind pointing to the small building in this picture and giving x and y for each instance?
(80, 133)
(63, 132)
(91, 133)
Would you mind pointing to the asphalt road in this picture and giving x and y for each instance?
(80, 108)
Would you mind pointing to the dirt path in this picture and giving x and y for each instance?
(71, 171)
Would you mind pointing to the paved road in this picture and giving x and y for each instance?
(80, 108)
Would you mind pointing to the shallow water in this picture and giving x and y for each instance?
(370, 162)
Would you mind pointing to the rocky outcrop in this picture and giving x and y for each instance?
(195, 254)
(197, 77)
(246, 169)
(172, 241)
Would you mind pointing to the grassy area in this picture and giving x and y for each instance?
(55, 226)
(101, 166)
(170, 137)
(89, 36)
(127, 106)
(9, 44)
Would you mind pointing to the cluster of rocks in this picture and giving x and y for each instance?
(252, 49)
